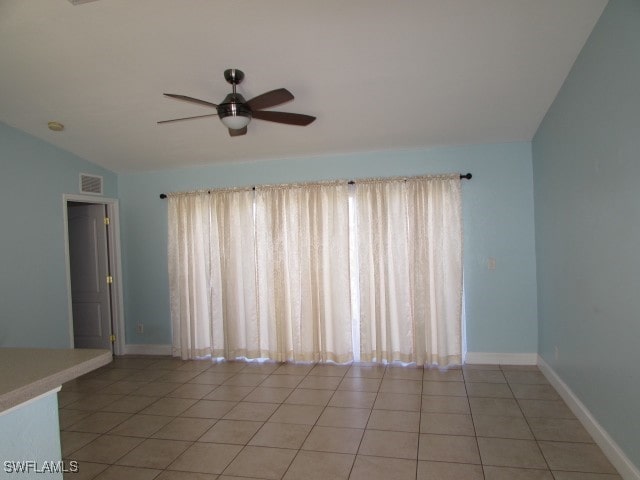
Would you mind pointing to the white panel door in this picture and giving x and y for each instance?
(89, 264)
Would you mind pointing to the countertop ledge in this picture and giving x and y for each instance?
(26, 373)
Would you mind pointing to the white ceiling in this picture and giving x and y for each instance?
(378, 74)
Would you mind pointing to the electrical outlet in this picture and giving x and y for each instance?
(140, 328)
(491, 263)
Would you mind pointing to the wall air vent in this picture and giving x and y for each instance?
(80, 2)
(91, 184)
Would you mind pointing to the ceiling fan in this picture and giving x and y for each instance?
(236, 113)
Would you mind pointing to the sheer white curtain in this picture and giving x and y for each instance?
(237, 330)
(189, 251)
(303, 266)
(261, 275)
(268, 273)
(211, 258)
(410, 269)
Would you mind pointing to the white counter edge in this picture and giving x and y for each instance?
(52, 381)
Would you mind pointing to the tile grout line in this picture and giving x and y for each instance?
(528, 424)
(473, 423)
(420, 422)
(364, 430)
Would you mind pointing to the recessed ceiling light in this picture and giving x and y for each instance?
(56, 126)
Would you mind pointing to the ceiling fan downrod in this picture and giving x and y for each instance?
(234, 111)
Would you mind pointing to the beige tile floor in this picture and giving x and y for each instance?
(165, 419)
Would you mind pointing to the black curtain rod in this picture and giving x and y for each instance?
(466, 176)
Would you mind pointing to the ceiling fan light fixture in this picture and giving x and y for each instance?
(236, 121)
(234, 113)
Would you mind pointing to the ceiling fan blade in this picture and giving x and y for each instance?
(270, 99)
(190, 99)
(188, 118)
(284, 117)
(238, 132)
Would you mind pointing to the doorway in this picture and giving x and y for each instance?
(93, 273)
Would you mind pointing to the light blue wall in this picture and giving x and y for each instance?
(33, 294)
(586, 158)
(498, 222)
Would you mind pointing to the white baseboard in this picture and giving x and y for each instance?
(482, 358)
(609, 447)
(147, 349)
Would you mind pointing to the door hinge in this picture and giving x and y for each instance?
(109, 279)
(112, 338)
(106, 221)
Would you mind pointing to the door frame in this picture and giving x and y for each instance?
(115, 265)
